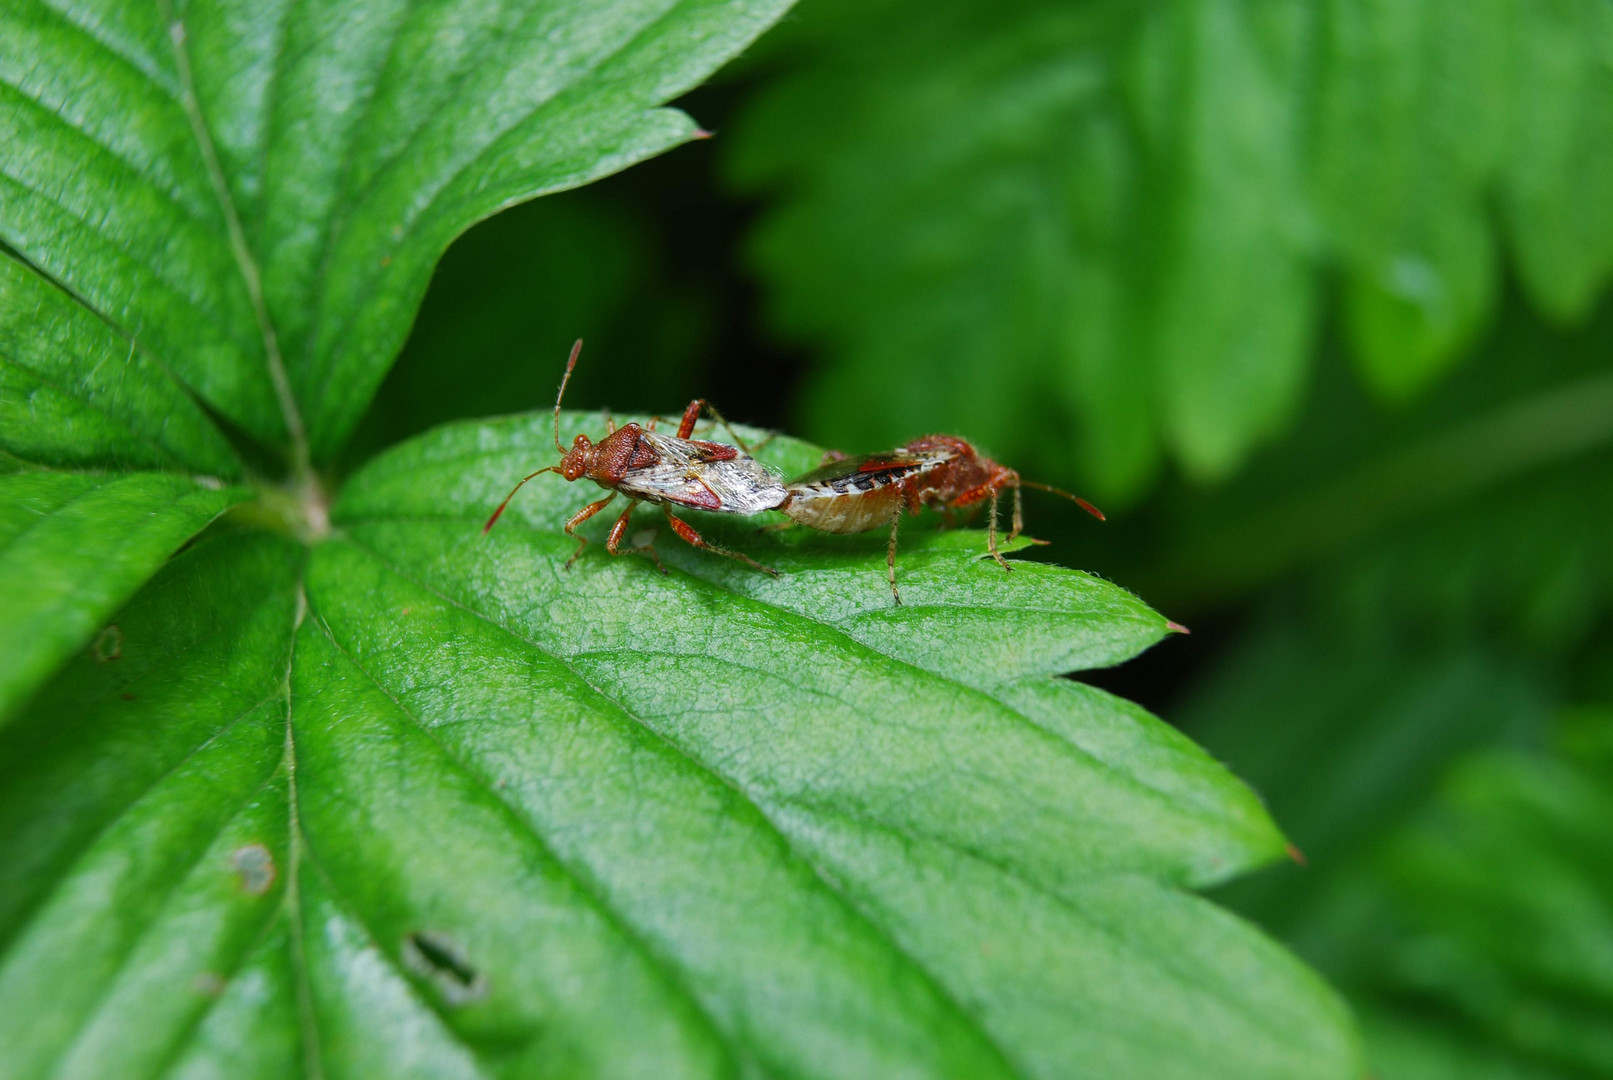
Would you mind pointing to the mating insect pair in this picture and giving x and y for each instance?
(843, 495)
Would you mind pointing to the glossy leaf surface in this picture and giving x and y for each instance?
(255, 193)
(73, 547)
(783, 825)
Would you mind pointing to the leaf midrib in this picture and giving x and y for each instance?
(307, 1018)
(241, 251)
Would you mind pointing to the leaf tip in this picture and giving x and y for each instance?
(1171, 626)
(1293, 852)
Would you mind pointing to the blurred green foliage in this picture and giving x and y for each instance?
(1099, 230)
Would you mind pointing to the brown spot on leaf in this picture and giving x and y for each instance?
(208, 983)
(254, 865)
(108, 644)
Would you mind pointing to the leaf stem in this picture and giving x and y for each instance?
(300, 464)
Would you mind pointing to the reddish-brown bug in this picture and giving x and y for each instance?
(847, 495)
(646, 466)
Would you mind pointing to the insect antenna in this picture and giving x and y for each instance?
(517, 487)
(1082, 503)
(575, 350)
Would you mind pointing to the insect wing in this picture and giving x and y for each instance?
(845, 469)
(690, 474)
(853, 474)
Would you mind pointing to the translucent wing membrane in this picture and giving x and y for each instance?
(845, 473)
(689, 475)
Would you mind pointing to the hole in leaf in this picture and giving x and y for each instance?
(441, 960)
(255, 867)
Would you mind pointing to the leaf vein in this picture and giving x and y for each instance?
(88, 402)
(590, 890)
(163, 893)
(358, 303)
(702, 768)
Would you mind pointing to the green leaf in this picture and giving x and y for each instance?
(352, 790)
(1082, 186)
(73, 547)
(1525, 956)
(1460, 896)
(256, 193)
(143, 818)
(1414, 109)
(776, 827)
(75, 393)
(1092, 235)
(1558, 190)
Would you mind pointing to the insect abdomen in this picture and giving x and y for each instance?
(833, 511)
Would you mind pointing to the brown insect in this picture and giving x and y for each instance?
(855, 494)
(637, 461)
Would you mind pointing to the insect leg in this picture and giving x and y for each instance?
(613, 539)
(578, 518)
(1019, 517)
(613, 542)
(991, 532)
(718, 418)
(890, 552)
(689, 536)
(690, 415)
